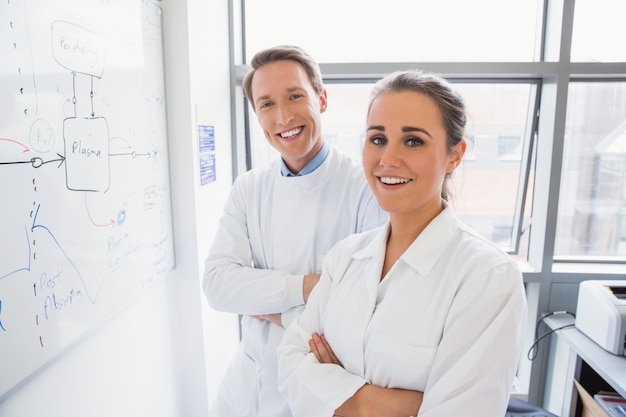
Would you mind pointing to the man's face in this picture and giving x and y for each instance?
(289, 111)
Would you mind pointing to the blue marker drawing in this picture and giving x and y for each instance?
(1, 325)
(27, 267)
(92, 296)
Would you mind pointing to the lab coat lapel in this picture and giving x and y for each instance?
(372, 256)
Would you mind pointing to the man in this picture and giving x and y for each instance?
(278, 224)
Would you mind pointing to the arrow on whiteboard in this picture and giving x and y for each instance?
(37, 162)
(110, 223)
(149, 154)
(19, 143)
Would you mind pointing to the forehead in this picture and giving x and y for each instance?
(279, 76)
(404, 107)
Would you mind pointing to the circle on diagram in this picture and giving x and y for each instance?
(41, 136)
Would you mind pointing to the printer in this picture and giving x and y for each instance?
(601, 313)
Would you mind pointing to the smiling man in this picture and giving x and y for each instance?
(278, 224)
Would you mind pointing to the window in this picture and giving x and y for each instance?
(485, 188)
(544, 176)
(592, 206)
(509, 147)
(399, 30)
(599, 31)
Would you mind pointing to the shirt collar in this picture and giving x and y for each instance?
(426, 250)
(311, 166)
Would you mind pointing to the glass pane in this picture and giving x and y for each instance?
(599, 31)
(592, 205)
(485, 187)
(397, 30)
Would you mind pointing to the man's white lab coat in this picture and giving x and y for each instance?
(275, 230)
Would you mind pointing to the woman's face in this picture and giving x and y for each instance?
(405, 156)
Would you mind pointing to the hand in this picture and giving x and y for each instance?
(308, 284)
(275, 318)
(322, 351)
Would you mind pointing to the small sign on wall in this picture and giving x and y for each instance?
(206, 143)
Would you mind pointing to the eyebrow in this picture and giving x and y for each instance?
(261, 98)
(405, 129)
(267, 96)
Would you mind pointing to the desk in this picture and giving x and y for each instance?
(571, 353)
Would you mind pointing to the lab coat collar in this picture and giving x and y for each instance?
(315, 163)
(426, 250)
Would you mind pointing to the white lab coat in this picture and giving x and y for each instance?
(275, 230)
(446, 320)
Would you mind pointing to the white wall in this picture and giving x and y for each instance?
(210, 89)
(165, 354)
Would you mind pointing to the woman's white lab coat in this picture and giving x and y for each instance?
(275, 230)
(446, 320)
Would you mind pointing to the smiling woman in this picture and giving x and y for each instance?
(463, 297)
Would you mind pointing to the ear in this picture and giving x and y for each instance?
(456, 155)
(323, 101)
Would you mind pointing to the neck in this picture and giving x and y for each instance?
(297, 165)
(406, 227)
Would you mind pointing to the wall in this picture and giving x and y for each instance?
(154, 358)
(209, 90)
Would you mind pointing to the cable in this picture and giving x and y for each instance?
(532, 352)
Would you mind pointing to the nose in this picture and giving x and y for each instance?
(390, 157)
(283, 114)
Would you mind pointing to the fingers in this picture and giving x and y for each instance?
(313, 347)
(333, 358)
(321, 349)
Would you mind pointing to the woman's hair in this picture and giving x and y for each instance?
(284, 53)
(450, 103)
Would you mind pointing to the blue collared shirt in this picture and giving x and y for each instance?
(311, 166)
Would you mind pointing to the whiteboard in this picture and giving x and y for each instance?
(85, 224)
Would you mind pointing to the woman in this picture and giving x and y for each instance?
(420, 317)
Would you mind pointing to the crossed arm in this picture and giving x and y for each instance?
(308, 283)
(369, 400)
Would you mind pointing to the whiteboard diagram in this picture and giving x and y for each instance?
(85, 226)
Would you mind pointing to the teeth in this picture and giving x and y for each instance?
(290, 133)
(392, 181)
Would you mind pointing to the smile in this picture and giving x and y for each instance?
(394, 181)
(290, 133)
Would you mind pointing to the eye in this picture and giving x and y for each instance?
(378, 140)
(295, 96)
(414, 142)
(265, 104)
